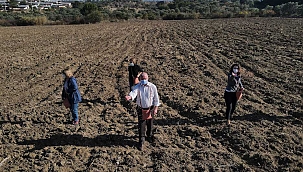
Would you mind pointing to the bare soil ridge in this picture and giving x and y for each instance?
(188, 61)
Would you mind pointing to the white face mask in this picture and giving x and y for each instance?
(235, 71)
(131, 64)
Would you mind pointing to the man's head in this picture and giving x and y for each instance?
(144, 78)
(132, 60)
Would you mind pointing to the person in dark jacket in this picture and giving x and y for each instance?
(71, 92)
(234, 84)
(134, 73)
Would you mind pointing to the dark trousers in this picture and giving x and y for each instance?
(131, 84)
(231, 102)
(145, 127)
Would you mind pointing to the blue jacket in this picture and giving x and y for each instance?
(71, 91)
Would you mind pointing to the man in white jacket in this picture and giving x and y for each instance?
(148, 102)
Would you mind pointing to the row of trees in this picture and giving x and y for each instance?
(114, 10)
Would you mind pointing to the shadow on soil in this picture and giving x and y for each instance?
(171, 121)
(79, 140)
(214, 119)
(98, 100)
(260, 116)
(86, 101)
(201, 121)
(12, 123)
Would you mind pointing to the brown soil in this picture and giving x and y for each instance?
(188, 62)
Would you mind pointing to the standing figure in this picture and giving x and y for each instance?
(147, 107)
(234, 85)
(71, 93)
(134, 71)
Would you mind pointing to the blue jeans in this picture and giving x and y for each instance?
(74, 110)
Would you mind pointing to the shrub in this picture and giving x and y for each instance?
(267, 13)
(93, 17)
(170, 16)
(254, 12)
(289, 9)
(88, 8)
(151, 16)
(26, 21)
(41, 20)
(244, 14)
(121, 15)
(4, 22)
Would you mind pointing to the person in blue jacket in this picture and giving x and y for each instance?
(71, 92)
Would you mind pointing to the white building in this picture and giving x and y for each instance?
(23, 7)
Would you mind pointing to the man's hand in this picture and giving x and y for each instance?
(155, 110)
(128, 98)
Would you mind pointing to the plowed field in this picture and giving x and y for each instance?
(188, 62)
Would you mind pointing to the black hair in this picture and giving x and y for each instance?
(232, 68)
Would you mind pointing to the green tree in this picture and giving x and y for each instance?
(300, 10)
(23, 3)
(290, 9)
(88, 8)
(77, 4)
(13, 4)
(93, 17)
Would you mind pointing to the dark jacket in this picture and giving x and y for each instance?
(71, 91)
(233, 83)
(133, 72)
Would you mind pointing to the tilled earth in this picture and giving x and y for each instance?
(188, 62)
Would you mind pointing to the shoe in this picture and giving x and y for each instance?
(76, 122)
(140, 146)
(150, 139)
(228, 122)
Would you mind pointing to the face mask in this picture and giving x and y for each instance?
(131, 64)
(235, 71)
(63, 75)
(143, 82)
